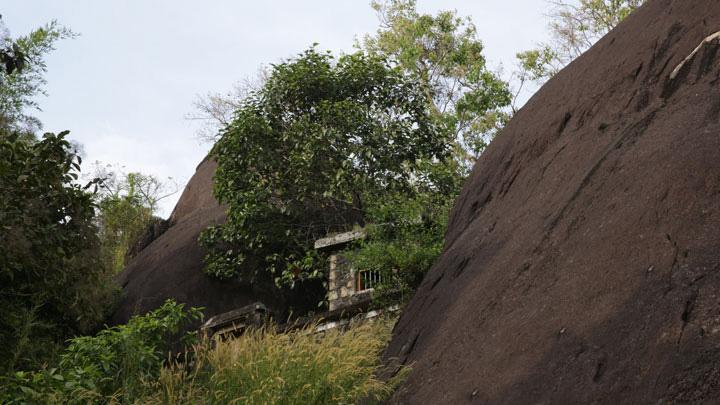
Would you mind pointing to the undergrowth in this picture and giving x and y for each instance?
(266, 367)
(129, 364)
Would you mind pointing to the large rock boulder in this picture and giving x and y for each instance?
(170, 266)
(582, 261)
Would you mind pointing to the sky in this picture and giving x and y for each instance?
(125, 85)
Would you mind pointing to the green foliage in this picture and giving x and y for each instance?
(406, 232)
(405, 238)
(127, 206)
(52, 284)
(322, 144)
(305, 153)
(574, 28)
(110, 366)
(537, 63)
(126, 364)
(301, 367)
(445, 52)
(12, 57)
(118, 358)
(20, 88)
(122, 221)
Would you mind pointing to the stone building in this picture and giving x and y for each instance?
(347, 286)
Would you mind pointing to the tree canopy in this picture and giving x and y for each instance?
(574, 28)
(307, 151)
(51, 278)
(127, 206)
(445, 53)
(317, 144)
(23, 78)
(53, 284)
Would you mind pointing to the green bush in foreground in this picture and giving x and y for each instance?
(109, 367)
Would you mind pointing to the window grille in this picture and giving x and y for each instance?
(367, 280)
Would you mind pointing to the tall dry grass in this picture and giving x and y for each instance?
(266, 367)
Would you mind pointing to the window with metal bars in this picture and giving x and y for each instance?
(366, 280)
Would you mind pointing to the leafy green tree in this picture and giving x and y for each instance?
(19, 88)
(306, 152)
(445, 53)
(52, 283)
(127, 207)
(574, 28)
(13, 60)
(465, 102)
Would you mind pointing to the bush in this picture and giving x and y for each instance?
(406, 238)
(111, 365)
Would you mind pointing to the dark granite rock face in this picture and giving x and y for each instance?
(582, 262)
(170, 266)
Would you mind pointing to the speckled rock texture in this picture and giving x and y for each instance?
(582, 261)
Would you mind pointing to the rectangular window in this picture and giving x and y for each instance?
(367, 280)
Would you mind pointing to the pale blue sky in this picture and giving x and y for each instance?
(125, 85)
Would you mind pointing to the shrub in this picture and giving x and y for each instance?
(405, 239)
(110, 365)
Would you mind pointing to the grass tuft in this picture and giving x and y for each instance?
(266, 367)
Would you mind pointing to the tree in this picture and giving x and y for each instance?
(11, 56)
(12, 59)
(127, 207)
(215, 110)
(574, 28)
(52, 283)
(444, 52)
(306, 152)
(20, 87)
